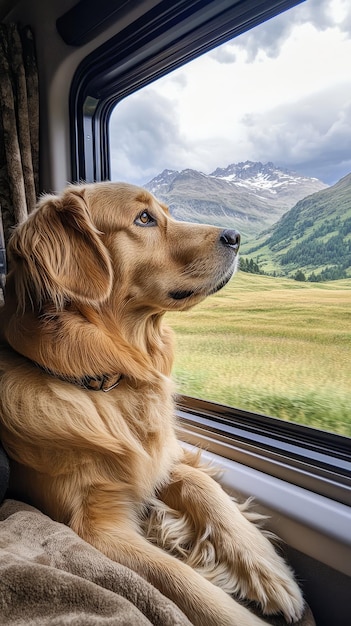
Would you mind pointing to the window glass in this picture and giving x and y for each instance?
(256, 135)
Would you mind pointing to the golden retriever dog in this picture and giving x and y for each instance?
(86, 399)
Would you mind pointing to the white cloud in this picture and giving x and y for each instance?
(270, 36)
(280, 93)
(313, 137)
(144, 136)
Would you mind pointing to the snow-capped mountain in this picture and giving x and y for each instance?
(263, 176)
(250, 196)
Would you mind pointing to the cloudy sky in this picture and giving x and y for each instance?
(280, 93)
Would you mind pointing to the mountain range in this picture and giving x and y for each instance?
(291, 225)
(249, 196)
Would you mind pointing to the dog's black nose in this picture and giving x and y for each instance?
(230, 238)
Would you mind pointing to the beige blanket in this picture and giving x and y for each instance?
(48, 575)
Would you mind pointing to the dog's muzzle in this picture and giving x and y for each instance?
(229, 238)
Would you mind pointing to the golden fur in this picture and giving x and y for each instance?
(92, 273)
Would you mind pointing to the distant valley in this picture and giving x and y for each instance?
(248, 196)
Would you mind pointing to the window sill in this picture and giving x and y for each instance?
(306, 521)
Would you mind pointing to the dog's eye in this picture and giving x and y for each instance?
(145, 219)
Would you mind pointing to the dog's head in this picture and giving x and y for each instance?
(113, 241)
(92, 271)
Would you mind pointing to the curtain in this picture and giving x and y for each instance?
(19, 129)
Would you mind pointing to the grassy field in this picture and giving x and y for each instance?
(271, 345)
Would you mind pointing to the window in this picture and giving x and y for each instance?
(112, 79)
(274, 104)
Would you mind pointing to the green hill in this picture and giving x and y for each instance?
(313, 238)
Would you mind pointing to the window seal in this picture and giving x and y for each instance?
(310, 458)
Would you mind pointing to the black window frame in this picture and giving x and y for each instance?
(160, 40)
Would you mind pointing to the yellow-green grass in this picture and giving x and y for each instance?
(273, 346)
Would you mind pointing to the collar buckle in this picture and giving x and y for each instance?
(101, 383)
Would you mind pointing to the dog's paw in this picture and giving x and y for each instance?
(267, 580)
(261, 575)
(251, 570)
(257, 572)
(242, 561)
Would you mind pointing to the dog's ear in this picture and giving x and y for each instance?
(57, 255)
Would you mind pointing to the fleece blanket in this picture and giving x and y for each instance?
(48, 575)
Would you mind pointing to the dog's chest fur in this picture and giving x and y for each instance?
(144, 424)
(125, 435)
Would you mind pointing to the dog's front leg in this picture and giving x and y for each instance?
(109, 526)
(226, 547)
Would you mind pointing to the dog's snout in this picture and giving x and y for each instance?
(230, 238)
